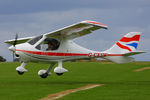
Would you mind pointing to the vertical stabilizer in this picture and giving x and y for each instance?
(126, 44)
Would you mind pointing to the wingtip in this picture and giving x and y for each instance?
(95, 23)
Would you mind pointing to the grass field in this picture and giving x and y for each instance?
(121, 82)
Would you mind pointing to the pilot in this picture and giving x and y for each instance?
(54, 45)
(51, 45)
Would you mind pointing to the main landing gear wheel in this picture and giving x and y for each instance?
(59, 74)
(44, 75)
(60, 70)
(20, 73)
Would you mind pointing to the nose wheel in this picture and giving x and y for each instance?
(21, 69)
(20, 73)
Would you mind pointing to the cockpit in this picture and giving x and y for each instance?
(48, 44)
(35, 40)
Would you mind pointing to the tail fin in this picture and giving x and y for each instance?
(126, 46)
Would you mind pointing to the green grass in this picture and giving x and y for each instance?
(121, 83)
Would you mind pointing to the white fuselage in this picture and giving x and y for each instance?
(68, 50)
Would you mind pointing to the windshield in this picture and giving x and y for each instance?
(34, 40)
(49, 44)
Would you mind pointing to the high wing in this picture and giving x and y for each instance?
(69, 32)
(76, 30)
(19, 41)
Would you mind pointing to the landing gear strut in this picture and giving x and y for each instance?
(45, 73)
(60, 70)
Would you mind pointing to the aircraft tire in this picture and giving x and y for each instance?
(44, 75)
(20, 73)
(59, 74)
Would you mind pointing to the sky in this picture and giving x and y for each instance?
(36, 17)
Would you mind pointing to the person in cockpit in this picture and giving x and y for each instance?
(51, 45)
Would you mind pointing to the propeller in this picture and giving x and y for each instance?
(15, 42)
(14, 46)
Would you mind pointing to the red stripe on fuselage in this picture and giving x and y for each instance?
(128, 39)
(114, 55)
(65, 54)
(123, 47)
(53, 53)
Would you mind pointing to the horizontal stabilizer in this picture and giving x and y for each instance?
(119, 59)
(133, 53)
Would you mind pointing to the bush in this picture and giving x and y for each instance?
(2, 59)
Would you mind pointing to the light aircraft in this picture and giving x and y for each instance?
(57, 47)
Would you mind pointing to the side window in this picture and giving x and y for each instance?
(49, 44)
(34, 40)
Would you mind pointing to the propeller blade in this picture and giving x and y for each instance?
(15, 42)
